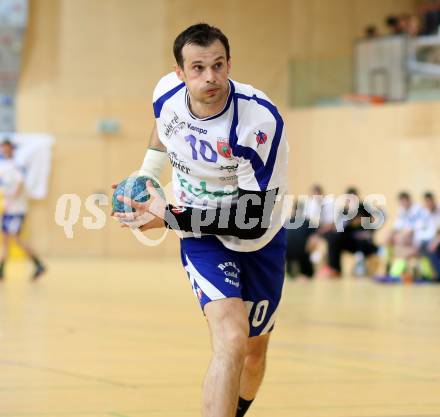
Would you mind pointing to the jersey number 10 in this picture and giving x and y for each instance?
(205, 149)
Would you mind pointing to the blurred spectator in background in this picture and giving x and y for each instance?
(427, 230)
(430, 18)
(409, 24)
(400, 241)
(393, 24)
(297, 254)
(404, 20)
(413, 26)
(427, 225)
(319, 210)
(371, 32)
(354, 238)
(303, 243)
(15, 208)
(408, 216)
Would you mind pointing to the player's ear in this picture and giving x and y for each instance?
(228, 65)
(179, 72)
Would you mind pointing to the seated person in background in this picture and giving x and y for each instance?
(371, 32)
(297, 255)
(430, 18)
(320, 213)
(426, 235)
(433, 253)
(400, 241)
(409, 24)
(413, 26)
(409, 214)
(393, 24)
(319, 210)
(354, 238)
(302, 242)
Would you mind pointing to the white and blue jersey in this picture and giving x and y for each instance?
(243, 146)
(14, 196)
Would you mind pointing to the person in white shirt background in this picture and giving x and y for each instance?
(400, 241)
(426, 235)
(304, 242)
(15, 207)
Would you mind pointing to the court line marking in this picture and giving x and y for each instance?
(83, 377)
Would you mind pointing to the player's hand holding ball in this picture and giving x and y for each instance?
(139, 202)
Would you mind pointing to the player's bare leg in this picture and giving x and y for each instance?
(254, 366)
(39, 267)
(25, 246)
(229, 326)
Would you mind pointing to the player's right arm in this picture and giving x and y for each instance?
(155, 142)
(155, 157)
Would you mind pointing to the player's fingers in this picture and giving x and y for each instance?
(114, 185)
(129, 202)
(156, 202)
(123, 217)
(157, 207)
(152, 189)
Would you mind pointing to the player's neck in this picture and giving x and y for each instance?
(203, 110)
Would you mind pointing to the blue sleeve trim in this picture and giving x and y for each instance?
(263, 172)
(158, 104)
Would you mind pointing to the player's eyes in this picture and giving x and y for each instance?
(218, 65)
(197, 67)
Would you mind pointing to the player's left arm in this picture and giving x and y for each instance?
(155, 158)
(248, 219)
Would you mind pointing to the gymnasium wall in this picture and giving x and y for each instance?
(92, 59)
(381, 149)
(322, 35)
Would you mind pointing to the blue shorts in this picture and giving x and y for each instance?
(256, 277)
(12, 223)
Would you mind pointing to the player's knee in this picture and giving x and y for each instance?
(256, 355)
(255, 362)
(232, 343)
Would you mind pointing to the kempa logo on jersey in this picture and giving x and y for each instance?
(202, 191)
(173, 127)
(196, 129)
(178, 163)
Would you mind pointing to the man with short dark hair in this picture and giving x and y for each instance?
(226, 143)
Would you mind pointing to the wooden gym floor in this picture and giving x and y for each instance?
(109, 338)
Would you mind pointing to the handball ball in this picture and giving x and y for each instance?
(134, 188)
